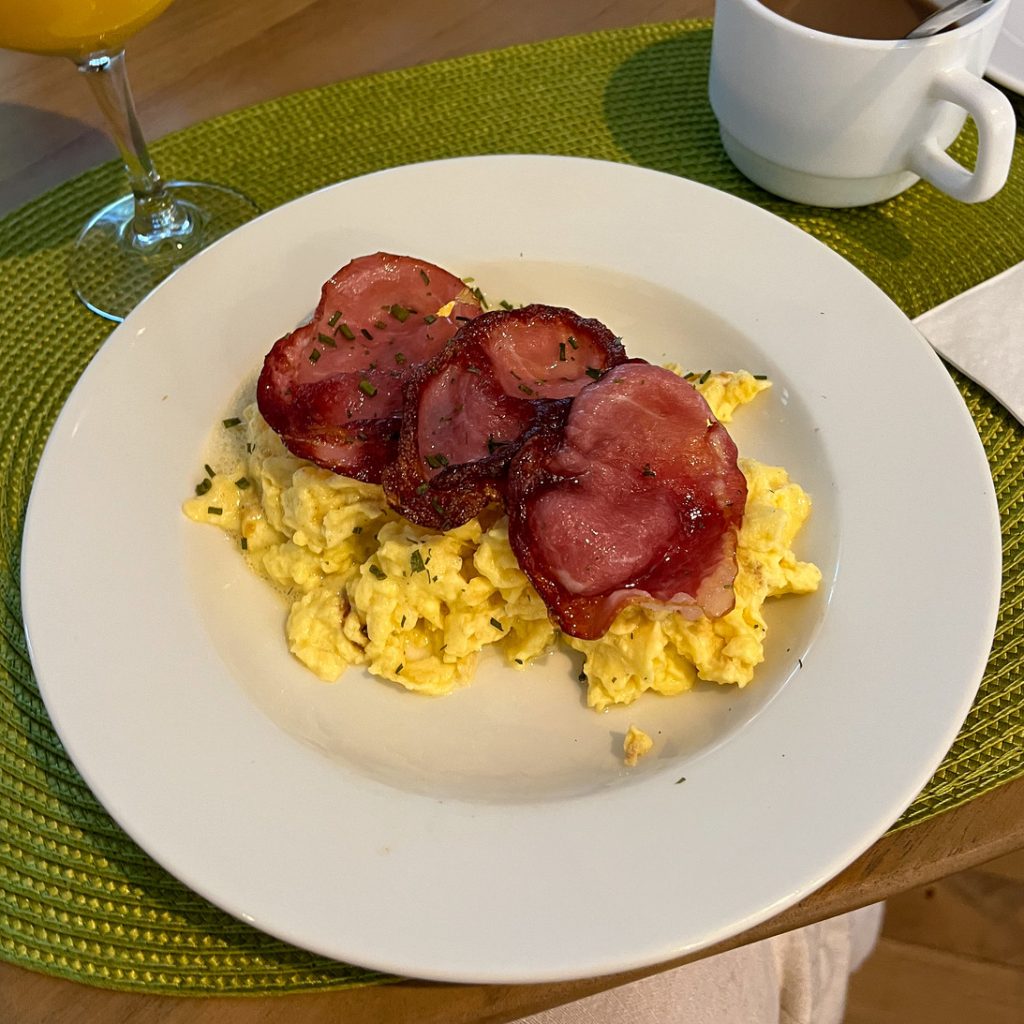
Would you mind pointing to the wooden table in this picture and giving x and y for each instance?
(206, 57)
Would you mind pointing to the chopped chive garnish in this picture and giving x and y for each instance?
(648, 471)
(314, 355)
(479, 296)
(519, 661)
(437, 461)
(429, 319)
(704, 376)
(572, 342)
(367, 388)
(464, 319)
(326, 339)
(334, 318)
(345, 331)
(426, 277)
(378, 572)
(472, 369)
(379, 324)
(399, 358)
(215, 510)
(244, 542)
(760, 376)
(233, 422)
(439, 509)
(497, 625)
(357, 529)
(689, 376)
(209, 471)
(242, 482)
(203, 487)
(505, 304)
(366, 334)
(401, 625)
(416, 561)
(398, 671)
(526, 389)
(561, 351)
(594, 372)
(423, 488)
(400, 313)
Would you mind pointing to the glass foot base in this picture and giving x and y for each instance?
(113, 268)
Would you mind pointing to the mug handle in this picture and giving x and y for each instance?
(994, 117)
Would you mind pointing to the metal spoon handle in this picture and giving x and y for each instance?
(942, 19)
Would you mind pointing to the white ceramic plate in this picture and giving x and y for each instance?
(495, 835)
(1006, 65)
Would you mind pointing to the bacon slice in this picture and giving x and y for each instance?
(333, 388)
(468, 411)
(637, 499)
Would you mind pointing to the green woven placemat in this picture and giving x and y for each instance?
(77, 897)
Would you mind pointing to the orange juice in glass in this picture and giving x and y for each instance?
(127, 248)
(74, 28)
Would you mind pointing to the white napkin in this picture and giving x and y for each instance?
(981, 332)
(799, 977)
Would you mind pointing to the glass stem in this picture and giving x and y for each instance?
(157, 216)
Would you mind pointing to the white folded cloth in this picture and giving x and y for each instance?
(980, 332)
(797, 978)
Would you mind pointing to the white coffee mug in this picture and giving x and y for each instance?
(834, 121)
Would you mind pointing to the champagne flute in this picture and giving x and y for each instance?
(131, 245)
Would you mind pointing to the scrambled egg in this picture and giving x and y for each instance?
(366, 587)
(635, 745)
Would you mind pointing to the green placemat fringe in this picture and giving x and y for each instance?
(77, 898)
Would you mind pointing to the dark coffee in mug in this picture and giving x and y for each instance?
(859, 19)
